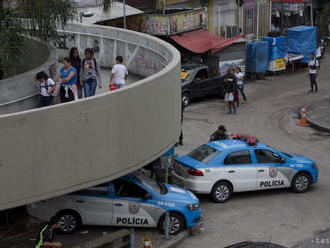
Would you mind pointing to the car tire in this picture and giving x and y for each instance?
(221, 192)
(186, 99)
(177, 223)
(301, 182)
(70, 222)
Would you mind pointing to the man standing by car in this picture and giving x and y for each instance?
(220, 134)
(45, 237)
(313, 66)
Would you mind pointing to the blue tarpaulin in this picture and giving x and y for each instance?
(302, 40)
(257, 56)
(277, 47)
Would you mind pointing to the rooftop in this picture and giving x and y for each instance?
(116, 11)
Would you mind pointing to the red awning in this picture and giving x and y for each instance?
(201, 41)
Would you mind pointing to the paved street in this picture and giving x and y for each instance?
(279, 216)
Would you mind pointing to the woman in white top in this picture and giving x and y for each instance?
(240, 82)
(46, 86)
(313, 67)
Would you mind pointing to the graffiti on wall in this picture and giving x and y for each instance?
(145, 63)
(4, 99)
(62, 41)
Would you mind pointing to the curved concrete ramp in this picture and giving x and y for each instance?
(53, 151)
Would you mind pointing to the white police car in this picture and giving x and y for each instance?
(132, 200)
(242, 164)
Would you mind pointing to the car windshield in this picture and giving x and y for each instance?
(186, 75)
(287, 154)
(155, 186)
(204, 153)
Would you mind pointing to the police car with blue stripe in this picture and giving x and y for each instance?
(242, 164)
(133, 200)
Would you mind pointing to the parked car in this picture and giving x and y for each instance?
(242, 164)
(132, 200)
(198, 81)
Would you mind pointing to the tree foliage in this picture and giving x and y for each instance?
(325, 17)
(44, 15)
(34, 18)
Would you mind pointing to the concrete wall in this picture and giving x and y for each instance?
(56, 150)
(142, 56)
(19, 92)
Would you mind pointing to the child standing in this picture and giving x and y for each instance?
(46, 85)
(90, 74)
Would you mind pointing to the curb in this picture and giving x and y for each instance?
(175, 241)
(317, 125)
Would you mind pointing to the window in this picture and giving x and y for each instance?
(99, 190)
(241, 157)
(201, 75)
(157, 187)
(204, 153)
(287, 154)
(128, 189)
(267, 157)
(189, 77)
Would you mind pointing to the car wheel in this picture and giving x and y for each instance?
(301, 182)
(176, 223)
(186, 99)
(69, 222)
(221, 192)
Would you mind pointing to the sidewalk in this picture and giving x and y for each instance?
(89, 233)
(318, 115)
(105, 72)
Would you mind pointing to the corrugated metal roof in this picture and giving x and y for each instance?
(116, 11)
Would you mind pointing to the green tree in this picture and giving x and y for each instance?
(325, 17)
(34, 18)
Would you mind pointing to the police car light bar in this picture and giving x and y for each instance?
(250, 140)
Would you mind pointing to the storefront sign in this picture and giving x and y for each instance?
(158, 24)
(293, 6)
(154, 24)
(186, 21)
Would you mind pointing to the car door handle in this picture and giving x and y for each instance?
(118, 204)
(261, 170)
(80, 201)
(231, 171)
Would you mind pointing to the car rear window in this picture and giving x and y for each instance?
(204, 153)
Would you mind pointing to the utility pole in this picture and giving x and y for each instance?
(258, 16)
(124, 6)
(312, 16)
(270, 16)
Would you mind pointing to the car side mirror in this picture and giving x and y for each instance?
(281, 160)
(147, 197)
